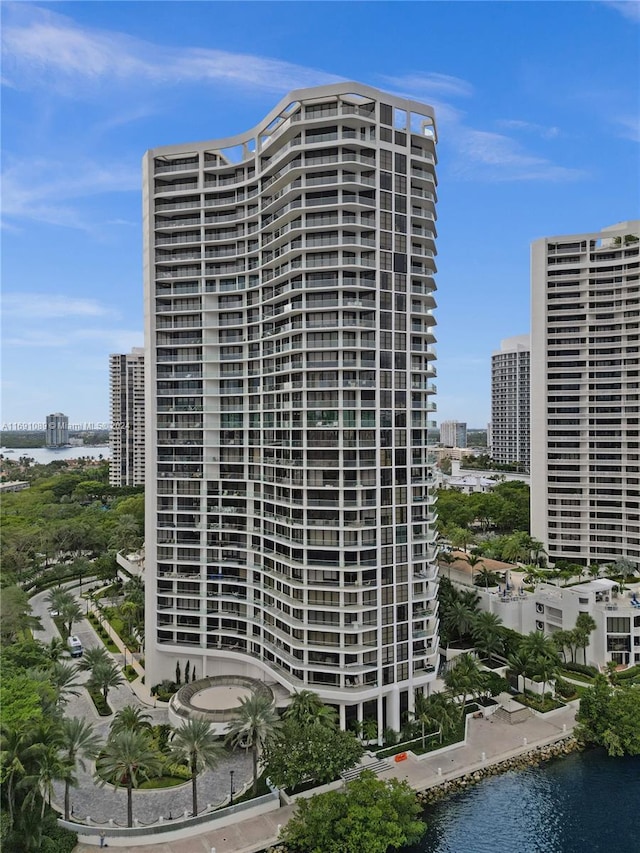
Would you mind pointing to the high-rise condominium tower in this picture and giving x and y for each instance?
(510, 401)
(453, 434)
(127, 432)
(57, 430)
(289, 291)
(585, 400)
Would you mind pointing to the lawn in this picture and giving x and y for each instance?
(161, 782)
(576, 676)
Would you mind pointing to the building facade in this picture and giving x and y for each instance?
(511, 401)
(616, 613)
(289, 290)
(453, 434)
(127, 428)
(585, 395)
(56, 430)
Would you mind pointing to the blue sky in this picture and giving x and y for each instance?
(537, 108)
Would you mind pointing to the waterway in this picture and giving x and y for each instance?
(584, 803)
(43, 455)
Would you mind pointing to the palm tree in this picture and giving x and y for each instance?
(458, 619)
(537, 644)
(50, 767)
(545, 668)
(369, 729)
(58, 598)
(486, 575)
(71, 612)
(127, 759)
(130, 719)
(487, 634)
(447, 558)
(520, 666)
(253, 724)
(104, 676)
(62, 676)
(93, 656)
(56, 649)
(437, 710)
(585, 624)
(196, 745)
(13, 746)
(307, 707)
(473, 560)
(79, 742)
(464, 679)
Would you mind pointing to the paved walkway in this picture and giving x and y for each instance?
(103, 803)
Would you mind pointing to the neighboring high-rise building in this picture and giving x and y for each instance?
(510, 401)
(289, 293)
(453, 434)
(585, 402)
(57, 430)
(127, 433)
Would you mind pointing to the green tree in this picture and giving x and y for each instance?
(15, 614)
(104, 676)
(520, 666)
(473, 560)
(127, 759)
(307, 707)
(71, 612)
(78, 742)
(622, 735)
(93, 656)
(585, 625)
(486, 631)
(254, 722)
(195, 745)
(368, 816)
(593, 714)
(464, 679)
(300, 752)
(130, 719)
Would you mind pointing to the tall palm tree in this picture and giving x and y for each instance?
(104, 676)
(196, 745)
(92, 656)
(458, 619)
(13, 745)
(464, 679)
(520, 663)
(63, 677)
(447, 558)
(79, 741)
(487, 634)
(127, 759)
(71, 612)
(130, 719)
(473, 560)
(307, 707)
(253, 724)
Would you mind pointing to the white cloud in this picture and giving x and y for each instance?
(492, 156)
(44, 306)
(628, 8)
(38, 43)
(629, 127)
(37, 189)
(530, 127)
(431, 84)
(106, 340)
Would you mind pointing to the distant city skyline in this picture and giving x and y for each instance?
(88, 87)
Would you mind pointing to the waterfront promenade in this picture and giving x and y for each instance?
(497, 739)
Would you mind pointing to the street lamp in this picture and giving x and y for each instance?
(231, 791)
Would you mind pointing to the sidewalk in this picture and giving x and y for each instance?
(497, 739)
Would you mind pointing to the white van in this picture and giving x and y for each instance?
(75, 646)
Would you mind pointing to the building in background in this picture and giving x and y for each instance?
(585, 395)
(56, 430)
(511, 401)
(453, 434)
(290, 531)
(127, 428)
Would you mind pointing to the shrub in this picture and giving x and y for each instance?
(496, 684)
(165, 690)
(580, 667)
(565, 689)
(102, 707)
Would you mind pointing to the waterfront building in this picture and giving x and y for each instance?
(510, 401)
(56, 430)
(549, 608)
(127, 427)
(585, 400)
(290, 522)
(453, 434)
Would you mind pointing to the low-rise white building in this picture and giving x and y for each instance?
(550, 608)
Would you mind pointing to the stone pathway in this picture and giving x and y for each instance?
(102, 803)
